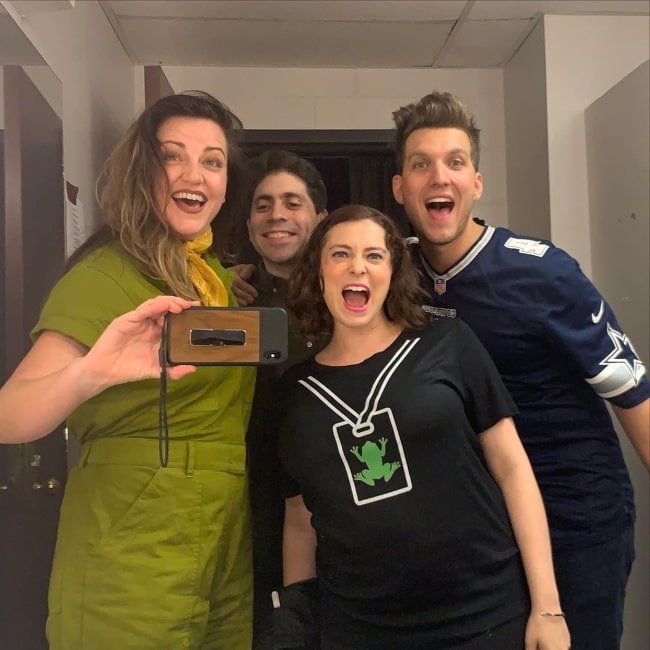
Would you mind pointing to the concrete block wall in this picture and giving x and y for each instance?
(305, 98)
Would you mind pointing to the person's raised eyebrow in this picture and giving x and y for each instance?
(419, 153)
(345, 246)
(292, 195)
(369, 249)
(458, 150)
(284, 195)
(182, 146)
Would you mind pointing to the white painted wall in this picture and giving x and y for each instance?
(300, 98)
(585, 57)
(618, 162)
(524, 85)
(98, 90)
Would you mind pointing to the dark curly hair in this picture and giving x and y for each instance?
(305, 301)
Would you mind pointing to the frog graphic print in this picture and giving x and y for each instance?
(369, 442)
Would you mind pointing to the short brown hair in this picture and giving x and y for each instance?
(305, 298)
(434, 111)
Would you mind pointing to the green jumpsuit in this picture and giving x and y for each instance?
(150, 558)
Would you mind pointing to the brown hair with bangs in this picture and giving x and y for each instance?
(127, 192)
(305, 297)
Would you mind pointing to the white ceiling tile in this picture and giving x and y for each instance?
(31, 7)
(499, 9)
(336, 33)
(484, 43)
(287, 44)
(319, 10)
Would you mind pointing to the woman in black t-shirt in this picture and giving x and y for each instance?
(409, 495)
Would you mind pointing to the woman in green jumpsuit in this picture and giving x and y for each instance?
(150, 555)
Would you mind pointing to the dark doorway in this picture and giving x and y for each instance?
(356, 166)
(32, 475)
(335, 171)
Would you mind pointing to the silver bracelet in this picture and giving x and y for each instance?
(561, 614)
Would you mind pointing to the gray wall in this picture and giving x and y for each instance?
(618, 161)
(524, 87)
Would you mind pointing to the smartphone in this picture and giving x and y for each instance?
(223, 336)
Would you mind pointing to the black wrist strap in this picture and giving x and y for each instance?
(163, 428)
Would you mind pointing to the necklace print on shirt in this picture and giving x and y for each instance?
(369, 443)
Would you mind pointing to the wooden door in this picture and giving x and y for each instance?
(156, 84)
(32, 476)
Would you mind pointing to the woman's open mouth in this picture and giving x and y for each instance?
(355, 296)
(189, 201)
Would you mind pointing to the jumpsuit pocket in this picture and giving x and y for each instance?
(124, 498)
(100, 501)
(141, 574)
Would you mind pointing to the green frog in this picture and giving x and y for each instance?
(372, 456)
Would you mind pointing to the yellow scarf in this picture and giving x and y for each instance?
(207, 283)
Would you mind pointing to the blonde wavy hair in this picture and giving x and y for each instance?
(126, 191)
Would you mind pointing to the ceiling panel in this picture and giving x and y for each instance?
(484, 43)
(337, 33)
(336, 10)
(499, 9)
(30, 7)
(286, 44)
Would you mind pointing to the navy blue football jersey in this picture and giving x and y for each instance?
(560, 351)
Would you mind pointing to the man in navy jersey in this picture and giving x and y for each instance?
(558, 347)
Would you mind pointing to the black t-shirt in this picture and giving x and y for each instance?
(413, 534)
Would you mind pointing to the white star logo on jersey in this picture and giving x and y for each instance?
(620, 341)
(621, 371)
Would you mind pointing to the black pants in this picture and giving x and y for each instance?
(592, 584)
